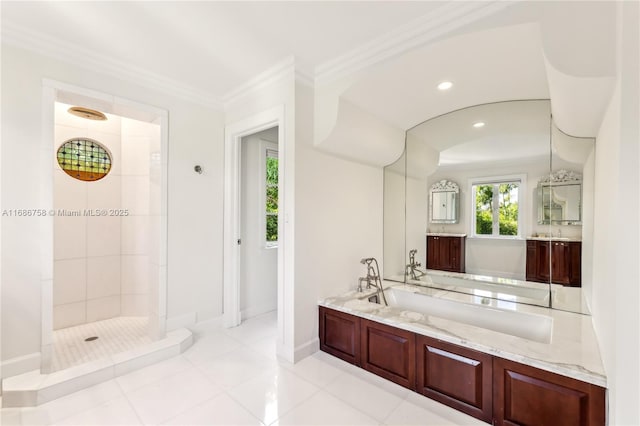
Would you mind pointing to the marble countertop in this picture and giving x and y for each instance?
(567, 239)
(445, 234)
(573, 350)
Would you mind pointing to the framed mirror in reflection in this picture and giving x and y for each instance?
(516, 139)
(444, 202)
(560, 198)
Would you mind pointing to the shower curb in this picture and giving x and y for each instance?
(33, 388)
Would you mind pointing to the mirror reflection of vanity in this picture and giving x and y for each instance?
(507, 196)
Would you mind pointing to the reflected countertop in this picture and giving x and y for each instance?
(573, 350)
(560, 239)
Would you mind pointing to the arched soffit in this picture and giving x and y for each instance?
(486, 66)
(558, 51)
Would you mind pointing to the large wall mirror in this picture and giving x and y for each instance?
(501, 155)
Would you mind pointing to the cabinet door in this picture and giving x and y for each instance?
(532, 261)
(455, 376)
(433, 252)
(560, 267)
(340, 335)
(389, 352)
(575, 264)
(454, 254)
(543, 255)
(527, 396)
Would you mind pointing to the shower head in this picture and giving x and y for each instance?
(366, 260)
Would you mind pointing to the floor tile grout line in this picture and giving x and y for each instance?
(354, 407)
(165, 421)
(318, 389)
(403, 399)
(92, 407)
(133, 407)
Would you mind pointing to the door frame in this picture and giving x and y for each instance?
(234, 133)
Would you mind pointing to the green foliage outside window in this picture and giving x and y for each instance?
(271, 199)
(507, 208)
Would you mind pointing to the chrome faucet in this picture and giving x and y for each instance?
(412, 266)
(373, 277)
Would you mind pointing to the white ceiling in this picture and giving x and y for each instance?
(396, 51)
(212, 46)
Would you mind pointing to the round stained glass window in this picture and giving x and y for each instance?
(84, 159)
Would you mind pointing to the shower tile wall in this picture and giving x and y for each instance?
(136, 137)
(101, 264)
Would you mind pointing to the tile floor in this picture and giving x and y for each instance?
(114, 335)
(232, 377)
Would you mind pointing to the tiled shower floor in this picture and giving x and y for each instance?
(114, 335)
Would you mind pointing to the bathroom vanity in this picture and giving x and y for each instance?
(500, 378)
(446, 252)
(554, 260)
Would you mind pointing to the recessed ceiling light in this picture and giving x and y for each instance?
(445, 85)
(478, 124)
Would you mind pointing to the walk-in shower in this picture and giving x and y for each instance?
(106, 232)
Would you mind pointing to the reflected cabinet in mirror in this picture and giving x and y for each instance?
(560, 198)
(444, 205)
(505, 188)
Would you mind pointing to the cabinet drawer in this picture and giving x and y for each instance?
(455, 376)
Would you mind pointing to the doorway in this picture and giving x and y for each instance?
(259, 223)
(232, 313)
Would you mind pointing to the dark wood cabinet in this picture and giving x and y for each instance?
(559, 262)
(528, 396)
(340, 335)
(446, 253)
(487, 387)
(455, 376)
(388, 352)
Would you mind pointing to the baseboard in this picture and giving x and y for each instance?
(20, 365)
(306, 349)
(211, 322)
(182, 321)
(259, 310)
(206, 316)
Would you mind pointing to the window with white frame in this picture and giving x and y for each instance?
(497, 206)
(270, 162)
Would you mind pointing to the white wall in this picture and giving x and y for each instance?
(195, 211)
(338, 221)
(616, 235)
(259, 264)
(394, 221)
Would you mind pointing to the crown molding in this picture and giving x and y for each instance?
(442, 20)
(265, 78)
(286, 67)
(18, 36)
